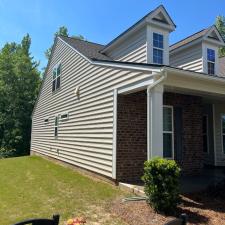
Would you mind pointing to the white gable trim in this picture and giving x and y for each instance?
(150, 19)
(219, 42)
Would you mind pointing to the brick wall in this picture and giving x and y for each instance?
(131, 136)
(192, 143)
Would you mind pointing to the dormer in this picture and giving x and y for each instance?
(198, 52)
(147, 41)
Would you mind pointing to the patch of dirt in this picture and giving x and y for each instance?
(202, 208)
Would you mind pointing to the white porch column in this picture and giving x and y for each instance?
(155, 121)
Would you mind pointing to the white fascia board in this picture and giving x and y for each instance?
(119, 65)
(195, 75)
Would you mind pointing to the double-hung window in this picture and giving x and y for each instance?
(223, 132)
(211, 61)
(157, 48)
(168, 133)
(56, 77)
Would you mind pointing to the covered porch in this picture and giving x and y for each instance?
(181, 121)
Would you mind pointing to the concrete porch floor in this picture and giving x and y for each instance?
(188, 184)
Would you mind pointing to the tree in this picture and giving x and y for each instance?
(19, 85)
(62, 31)
(220, 24)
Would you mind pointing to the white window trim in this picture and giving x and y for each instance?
(222, 134)
(55, 67)
(153, 47)
(170, 132)
(207, 133)
(62, 114)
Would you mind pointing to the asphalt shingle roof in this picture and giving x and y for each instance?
(89, 49)
(189, 39)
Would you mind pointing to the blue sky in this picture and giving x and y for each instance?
(98, 20)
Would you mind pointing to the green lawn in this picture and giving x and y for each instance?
(35, 187)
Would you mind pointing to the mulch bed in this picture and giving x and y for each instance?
(202, 208)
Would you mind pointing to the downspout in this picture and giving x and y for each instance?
(163, 74)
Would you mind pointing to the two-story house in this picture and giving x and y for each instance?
(107, 109)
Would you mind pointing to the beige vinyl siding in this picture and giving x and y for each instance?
(132, 49)
(219, 109)
(222, 66)
(86, 138)
(189, 58)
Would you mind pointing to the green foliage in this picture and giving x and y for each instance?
(6, 153)
(19, 85)
(161, 179)
(220, 24)
(62, 31)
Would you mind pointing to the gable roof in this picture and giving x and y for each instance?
(89, 49)
(193, 37)
(160, 7)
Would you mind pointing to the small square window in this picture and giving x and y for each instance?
(46, 120)
(64, 116)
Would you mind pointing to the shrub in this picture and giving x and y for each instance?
(6, 153)
(161, 181)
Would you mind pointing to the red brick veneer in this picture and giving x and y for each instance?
(131, 136)
(192, 152)
(132, 133)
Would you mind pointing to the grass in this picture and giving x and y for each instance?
(35, 187)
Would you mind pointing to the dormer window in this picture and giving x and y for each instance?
(157, 48)
(211, 61)
(56, 73)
